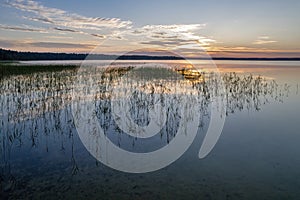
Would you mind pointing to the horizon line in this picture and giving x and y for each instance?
(146, 57)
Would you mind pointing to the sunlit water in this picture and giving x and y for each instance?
(257, 155)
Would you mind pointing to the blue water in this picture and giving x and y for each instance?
(256, 156)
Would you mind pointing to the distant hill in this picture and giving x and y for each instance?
(9, 55)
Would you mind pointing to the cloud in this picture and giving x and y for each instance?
(47, 45)
(59, 45)
(70, 22)
(245, 49)
(43, 30)
(22, 28)
(60, 17)
(263, 40)
(66, 30)
(176, 28)
(169, 31)
(173, 35)
(98, 35)
(39, 19)
(169, 42)
(57, 37)
(77, 31)
(58, 20)
(6, 44)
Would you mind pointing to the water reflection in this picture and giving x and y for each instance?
(37, 106)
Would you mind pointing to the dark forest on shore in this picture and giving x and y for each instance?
(10, 55)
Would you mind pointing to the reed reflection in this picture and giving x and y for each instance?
(37, 106)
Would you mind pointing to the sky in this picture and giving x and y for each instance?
(231, 28)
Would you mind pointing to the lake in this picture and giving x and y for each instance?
(63, 124)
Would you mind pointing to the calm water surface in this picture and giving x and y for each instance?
(256, 156)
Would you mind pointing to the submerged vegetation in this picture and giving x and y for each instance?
(15, 68)
(36, 103)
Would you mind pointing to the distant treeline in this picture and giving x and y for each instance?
(16, 56)
(9, 55)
